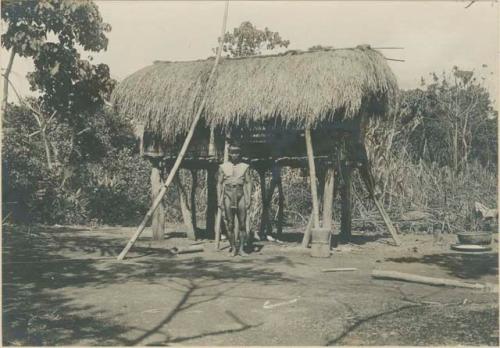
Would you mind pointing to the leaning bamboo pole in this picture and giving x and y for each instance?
(179, 159)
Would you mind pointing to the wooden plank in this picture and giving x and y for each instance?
(312, 177)
(347, 269)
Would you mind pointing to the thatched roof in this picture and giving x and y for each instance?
(298, 88)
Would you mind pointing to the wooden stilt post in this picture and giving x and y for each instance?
(308, 232)
(158, 222)
(186, 214)
(211, 188)
(218, 219)
(346, 203)
(194, 184)
(265, 212)
(328, 197)
(211, 202)
(312, 177)
(269, 197)
(281, 207)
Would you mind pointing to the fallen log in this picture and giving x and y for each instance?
(392, 275)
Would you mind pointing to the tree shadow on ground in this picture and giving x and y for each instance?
(37, 268)
(422, 325)
(467, 266)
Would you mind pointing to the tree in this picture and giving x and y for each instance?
(247, 40)
(50, 32)
(454, 113)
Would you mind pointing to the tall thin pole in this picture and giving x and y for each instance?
(180, 157)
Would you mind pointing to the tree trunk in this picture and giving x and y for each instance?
(6, 75)
(158, 221)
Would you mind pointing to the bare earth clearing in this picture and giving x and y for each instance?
(62, 286)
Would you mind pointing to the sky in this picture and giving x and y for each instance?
(435, 35)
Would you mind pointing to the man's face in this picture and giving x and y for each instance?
(234, 156)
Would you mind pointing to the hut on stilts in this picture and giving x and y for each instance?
(300, 109)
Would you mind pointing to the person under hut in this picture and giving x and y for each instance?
(235, 186)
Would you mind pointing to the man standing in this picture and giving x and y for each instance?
(235, 186)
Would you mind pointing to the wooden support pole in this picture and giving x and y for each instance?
(387, 221)
(211, 211)
(184, 147)
(312, 177)
(186, 213)
(263, 220)
(308, 232)
(269, 197)
(194, 185)
(218, 219)
(218, 222)
(346, 203)
(367, 176)
(211, 202)
(158, 221)
(281, 208)
(328, 197)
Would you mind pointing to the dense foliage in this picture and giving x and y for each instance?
(111, 186)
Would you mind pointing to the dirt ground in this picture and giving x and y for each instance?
(63, 286)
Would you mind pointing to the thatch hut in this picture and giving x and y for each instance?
(267, 100)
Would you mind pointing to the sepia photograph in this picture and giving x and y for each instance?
(249, 173)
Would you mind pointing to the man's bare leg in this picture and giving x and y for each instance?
(242, 215)
(229, 214)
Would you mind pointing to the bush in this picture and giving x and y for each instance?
(105, 179)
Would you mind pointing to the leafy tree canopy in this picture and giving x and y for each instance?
(51, 32)
(247, 40)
